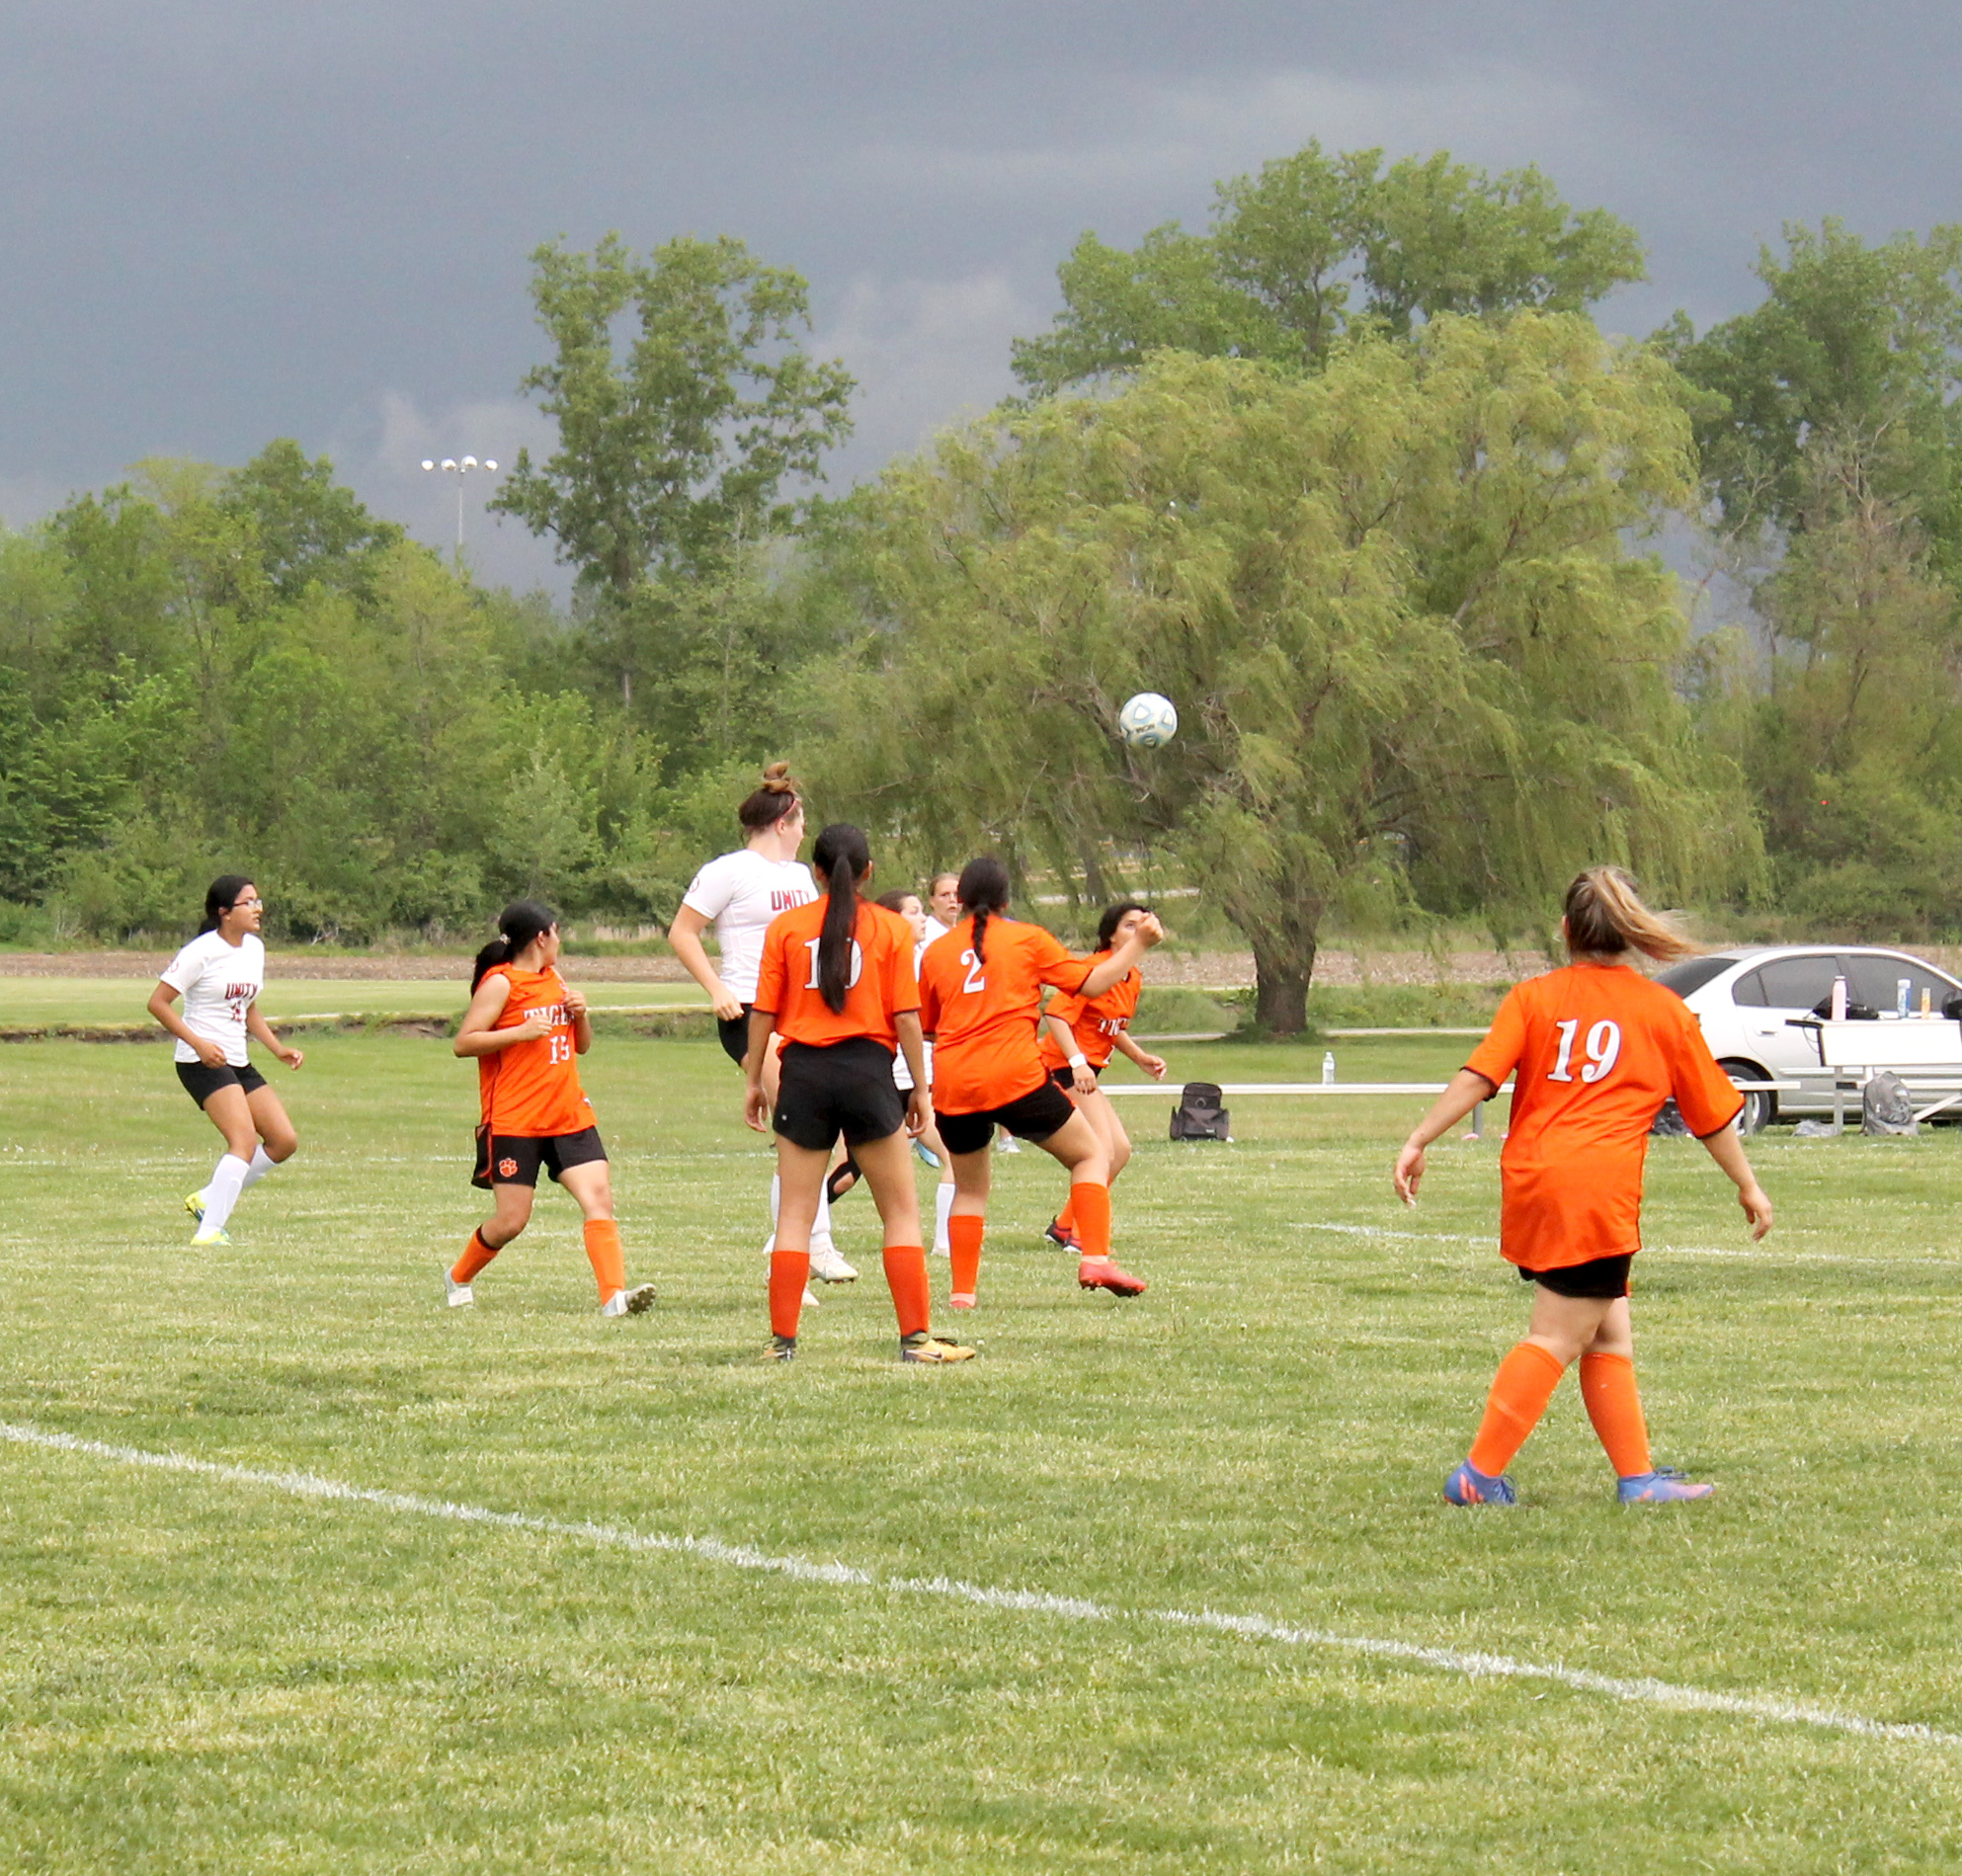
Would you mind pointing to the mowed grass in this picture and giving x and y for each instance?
(40, 1000)
(213, 1676)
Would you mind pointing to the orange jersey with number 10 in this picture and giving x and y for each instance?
(879, 983)
(531, 1088)
(1596, 1049)
(982, 1014)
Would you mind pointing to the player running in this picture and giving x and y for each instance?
(741, 892)
(980, 986)
(836, 982)
(526, 1026)
(1596, 1050)
(1079, 1034)
(219, 975)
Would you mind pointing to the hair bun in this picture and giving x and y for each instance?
(777, 779)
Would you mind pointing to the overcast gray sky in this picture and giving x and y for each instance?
(227, 220)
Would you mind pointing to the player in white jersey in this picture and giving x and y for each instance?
(740, 893)
(219, 975)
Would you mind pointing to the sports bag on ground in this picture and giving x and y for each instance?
(1886, 1106)
(1199, 1115)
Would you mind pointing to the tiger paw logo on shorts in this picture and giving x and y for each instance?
(507, 1169)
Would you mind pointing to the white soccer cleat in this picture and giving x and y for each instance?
(209, 1238)
(1007, 1143)
(828, 1265)
(628, 1302)
(810, 1297)
(457, 1295)
(942, 1251)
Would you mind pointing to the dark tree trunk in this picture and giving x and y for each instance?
(1280, 993)
(1093, 875)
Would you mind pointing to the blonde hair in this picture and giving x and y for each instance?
(1605, 915)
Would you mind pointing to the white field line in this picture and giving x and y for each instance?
(1742, 1253)
(1477, 1666)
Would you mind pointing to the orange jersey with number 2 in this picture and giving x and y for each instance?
(982, 1014)
(531, 1088)
(1595, 1050)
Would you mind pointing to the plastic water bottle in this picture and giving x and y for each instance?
(1328, 1068)
(1839, 1002)
(1901, 987)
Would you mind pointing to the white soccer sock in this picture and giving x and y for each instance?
(221, 1194)
(821, 1226)
(942, 1205)
(776, 1199)
(262, 1164)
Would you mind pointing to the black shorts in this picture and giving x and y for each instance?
(201, 1082)
(514, 1159)
(735, 1034)
(844, 1088)
(1034, 1115)
(1600, 1277)
(1065, 1076)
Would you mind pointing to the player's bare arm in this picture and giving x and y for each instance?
(1124, 959)
(475, 1035)
(1153, 1065)
(212, 1054)
(684, 940)
(756, 1100)
(1728, 1151)
(261, 1031)
(1465, 1090)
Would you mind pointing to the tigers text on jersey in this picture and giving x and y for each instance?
(219, 984)
(742, 892)
(1594, 1049)
(981, 1015)
(1096, 1022)
(880, 984)
(530, 1090)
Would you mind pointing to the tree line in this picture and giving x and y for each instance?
(1352, 474)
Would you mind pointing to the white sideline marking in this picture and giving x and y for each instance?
(1642, 1691)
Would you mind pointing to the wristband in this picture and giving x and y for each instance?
(1079, 1061)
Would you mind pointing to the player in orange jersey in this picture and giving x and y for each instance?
(980, 987)
(836, 982)
(525, 1026)
(1079, 1037)
(1594, 1049)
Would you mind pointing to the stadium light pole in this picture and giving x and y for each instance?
(451, 465)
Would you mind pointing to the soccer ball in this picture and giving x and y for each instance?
(1148, 720)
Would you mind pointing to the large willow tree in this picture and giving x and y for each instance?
(1395, 603)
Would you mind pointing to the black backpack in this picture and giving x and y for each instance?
(1200, 1115)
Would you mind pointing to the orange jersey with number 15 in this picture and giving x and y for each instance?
(1594, 1049)
(982, 1014)
(531, 1088)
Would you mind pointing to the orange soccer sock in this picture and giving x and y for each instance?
(603, 1252)
(1615, 1405)
(1519, 1392)
(476, 1253)
(789, 1272)
(905, 1279)
(1091, 1203)
(964, 1252)
(1066, 1219)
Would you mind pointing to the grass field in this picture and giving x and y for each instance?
(213, 1671)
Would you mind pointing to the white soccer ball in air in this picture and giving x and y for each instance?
(1148, 721)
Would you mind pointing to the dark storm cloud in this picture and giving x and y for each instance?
(223, 222)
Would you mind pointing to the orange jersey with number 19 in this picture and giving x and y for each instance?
(1596, 1049)
(982, 1014)
(531, 1088)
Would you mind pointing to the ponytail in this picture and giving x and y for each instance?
(841, 858)
(984, 890)
(221, 896)
(1606, 916)
(520, 923)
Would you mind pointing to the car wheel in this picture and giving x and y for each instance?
(1760, 1104)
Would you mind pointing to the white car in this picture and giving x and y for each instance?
(1745, 1001)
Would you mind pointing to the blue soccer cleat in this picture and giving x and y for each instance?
(927, 1156)
(1665, 1486)
(1469, 1486)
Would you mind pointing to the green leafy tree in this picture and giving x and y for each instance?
(1393, 602)
(685, 403)
(309, 527)
(1318, 245)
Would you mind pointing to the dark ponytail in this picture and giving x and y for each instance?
(840, 857)
(984, 888)
(518, 925)
(220, 898)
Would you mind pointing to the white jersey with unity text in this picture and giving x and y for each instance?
(742, 892)
(219, 983)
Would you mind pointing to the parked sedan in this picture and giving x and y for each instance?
(1745, 1000)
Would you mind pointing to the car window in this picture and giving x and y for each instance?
(1692, 974)
(1748, 990)
(1797, 983)
(1875, 980)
